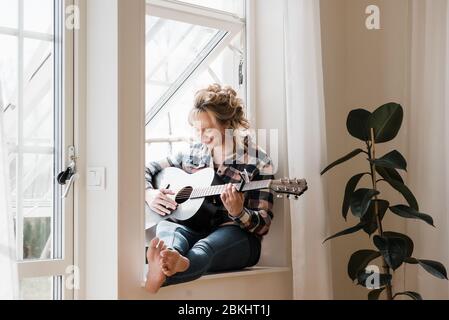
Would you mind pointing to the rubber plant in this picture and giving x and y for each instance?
(393, 249)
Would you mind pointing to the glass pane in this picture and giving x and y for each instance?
(8, 85)
(233, 6)
(9, 13)
(173, 119)
(36, 288)
(172, 48)
(29, 119)
(37, 186)
(38, 93)
(38, 16)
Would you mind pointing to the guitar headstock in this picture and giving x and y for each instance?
(289, 187)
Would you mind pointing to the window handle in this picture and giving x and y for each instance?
(241, 74)
(67, 177)
(69, 186)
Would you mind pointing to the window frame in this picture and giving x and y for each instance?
(62, 229)
(229, 24)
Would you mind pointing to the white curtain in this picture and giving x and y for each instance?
(428, 140)
(8, 272)
(307, 147)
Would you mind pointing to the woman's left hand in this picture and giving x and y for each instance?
(233, 200)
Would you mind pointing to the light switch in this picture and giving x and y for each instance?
(96, 178)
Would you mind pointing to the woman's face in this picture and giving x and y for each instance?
(209, 130)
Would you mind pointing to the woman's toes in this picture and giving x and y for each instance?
(154, 242)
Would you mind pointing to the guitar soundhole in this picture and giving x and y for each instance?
(184, 195)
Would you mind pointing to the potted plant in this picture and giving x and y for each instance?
(393, 249)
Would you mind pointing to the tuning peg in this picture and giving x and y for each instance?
(288, 197)
(280, 196)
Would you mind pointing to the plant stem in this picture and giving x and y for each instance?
(372, 155)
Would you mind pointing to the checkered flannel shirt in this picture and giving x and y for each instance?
(257, 214)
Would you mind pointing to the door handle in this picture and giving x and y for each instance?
(67, 177)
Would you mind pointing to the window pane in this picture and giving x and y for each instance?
(38, 93)
(9, 13)
(36, 288)
(173, 119)
(38, 15)
(172, 48)
(233, 6)
(8, 84)
(37, 186)
(27, 93)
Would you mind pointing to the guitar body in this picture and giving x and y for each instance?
(187, 210)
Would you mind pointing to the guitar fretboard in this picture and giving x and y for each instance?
(218, 190)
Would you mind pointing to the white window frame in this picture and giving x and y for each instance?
(57, 267)
(230, 25)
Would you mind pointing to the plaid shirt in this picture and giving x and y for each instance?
(257, 214)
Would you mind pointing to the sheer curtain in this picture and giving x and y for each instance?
(8, 272)
(307, 147)
(428, 140)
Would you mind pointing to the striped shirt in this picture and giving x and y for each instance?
(257, 213)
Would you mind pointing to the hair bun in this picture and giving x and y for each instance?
(230, 92)
(227, 107)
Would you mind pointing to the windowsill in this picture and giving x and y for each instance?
(254, 271)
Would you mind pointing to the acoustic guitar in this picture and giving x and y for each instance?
(192, 190)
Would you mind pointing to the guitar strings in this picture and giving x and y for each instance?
(186, 194)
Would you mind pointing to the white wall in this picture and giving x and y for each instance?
(101, 244)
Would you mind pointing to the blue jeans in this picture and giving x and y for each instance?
(226, 248)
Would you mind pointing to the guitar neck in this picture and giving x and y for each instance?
(218, 190)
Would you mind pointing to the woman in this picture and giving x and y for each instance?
(232, 241)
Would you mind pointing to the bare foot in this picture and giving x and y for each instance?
(155, 276)
(173, 262)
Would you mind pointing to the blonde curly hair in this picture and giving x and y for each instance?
(223, 104)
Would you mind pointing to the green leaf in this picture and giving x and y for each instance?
(375, 294)
(346, 232)
(359, 261)
(406, 193)
(435, 268)
(386, 121)
(411, 294)
(358, 124)
(361, 200)
(392, 160)
(343, 160)
(350, 188)
(410, 213)
(409, 242)
(363, 277)
(393, 250)
(370, 218)
(389, 174)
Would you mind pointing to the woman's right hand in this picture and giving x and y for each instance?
(159, 202)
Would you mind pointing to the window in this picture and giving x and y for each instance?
(35, 95)
(189, 45)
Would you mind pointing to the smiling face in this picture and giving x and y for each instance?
(208, 129)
